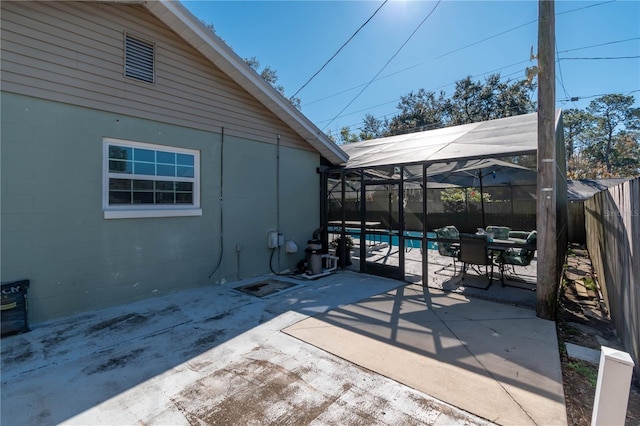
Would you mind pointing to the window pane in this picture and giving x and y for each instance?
(120, 152)
(120, 184)
(162, 185)
(117, 166)
(184, 186)
(118, 197)
(144, 155)
(183, 198)
(144, 168)
(166, 170)
(142, 198)
(142, 185)
(146, 165)
(164, 198)
(185, 159)
(166, 157)
(185, 171)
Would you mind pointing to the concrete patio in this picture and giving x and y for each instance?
(355, 349)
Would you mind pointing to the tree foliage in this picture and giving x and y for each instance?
(456, 200)
(419, 111)
(603, 140)
(267, 73)
(271, 76)
(472, 101)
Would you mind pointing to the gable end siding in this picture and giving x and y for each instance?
(73, 52)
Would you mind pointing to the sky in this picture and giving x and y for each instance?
(412, 45)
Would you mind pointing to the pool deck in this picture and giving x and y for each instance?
(442, 276)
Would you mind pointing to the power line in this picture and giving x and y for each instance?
(600, 45)
(386, 64)
(485, 73)
(457, 50)
(563, 101)
(603, 58)
(338, 51)
(585, 7)
(439, 87)
(430, 60)
(576, 98)
(561, 80)
(435, 126)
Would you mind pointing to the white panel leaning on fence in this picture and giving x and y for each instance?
(612, 391)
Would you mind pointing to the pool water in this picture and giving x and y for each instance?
(431, 245)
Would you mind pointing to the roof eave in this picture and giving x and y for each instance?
(194, 32)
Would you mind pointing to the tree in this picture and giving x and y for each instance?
(271, 76)
(575, 123)
(268, 74)
(372, 128)
(603, 140)
(613, 133)
(419, 111)
(347, 137)
(471, 102)
(474, 101)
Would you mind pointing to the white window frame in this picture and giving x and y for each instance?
(126, 211)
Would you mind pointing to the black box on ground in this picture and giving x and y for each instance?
(13, 296)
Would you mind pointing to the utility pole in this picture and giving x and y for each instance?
(548, 268)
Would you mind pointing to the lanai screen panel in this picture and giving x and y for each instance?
(455, 157)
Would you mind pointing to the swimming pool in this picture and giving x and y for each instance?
(408, 243)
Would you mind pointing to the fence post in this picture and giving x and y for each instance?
(612, 390)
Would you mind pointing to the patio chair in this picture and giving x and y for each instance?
(447, 248)
(517, 256)
(474, 252)
(499, 232)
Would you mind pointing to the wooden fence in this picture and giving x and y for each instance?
(576, 228)
(612, 222)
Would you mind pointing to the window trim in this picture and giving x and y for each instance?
(126, 211)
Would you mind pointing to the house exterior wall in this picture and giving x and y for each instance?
(63, 92)
(54, 232)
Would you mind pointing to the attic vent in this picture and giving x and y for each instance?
(139, 59)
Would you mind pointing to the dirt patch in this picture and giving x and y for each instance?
(253, 389)
(582, 320)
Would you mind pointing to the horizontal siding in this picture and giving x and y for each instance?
(72, 52)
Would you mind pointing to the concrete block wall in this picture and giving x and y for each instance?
(54, 232)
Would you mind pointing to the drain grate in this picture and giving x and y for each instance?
(265, 288)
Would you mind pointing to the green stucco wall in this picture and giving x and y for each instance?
(54, 232)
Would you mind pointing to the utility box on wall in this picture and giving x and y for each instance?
(14, 307)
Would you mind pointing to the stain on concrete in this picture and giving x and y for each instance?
(118, 323)
(114, 362)
(208, 340)
(259, 389)
(218, 316)
(20, 351)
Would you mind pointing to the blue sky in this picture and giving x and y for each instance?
(459, 39)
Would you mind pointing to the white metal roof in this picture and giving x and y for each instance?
(190, 29)
(495, 138)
